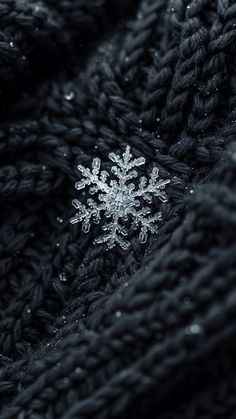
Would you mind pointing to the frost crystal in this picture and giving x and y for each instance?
(118, 200)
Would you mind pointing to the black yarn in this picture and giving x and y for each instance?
(91, 333)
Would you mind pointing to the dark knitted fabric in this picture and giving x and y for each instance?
(87, 332)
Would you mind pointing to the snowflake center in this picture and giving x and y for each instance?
(120, 200)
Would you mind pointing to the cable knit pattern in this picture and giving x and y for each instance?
(91, 333)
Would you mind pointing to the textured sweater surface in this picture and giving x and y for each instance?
(88, 331)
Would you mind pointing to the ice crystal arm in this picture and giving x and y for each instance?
(147, 224)
(155, 186)
(93, 178)
(114, 235)
(87, 214)
(126, 164)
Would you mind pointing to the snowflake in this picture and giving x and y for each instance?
(119, 200)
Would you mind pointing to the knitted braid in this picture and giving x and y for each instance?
(157, 86)
(207, 98)
(192, 54)
(134, 50)
(161, 73)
